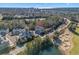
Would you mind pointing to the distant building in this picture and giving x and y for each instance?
(39, 30)
(17, 31)
(29, 20)
(42, 18)
(25, 36)
(40, 23)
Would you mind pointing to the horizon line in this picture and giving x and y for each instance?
(39, 5)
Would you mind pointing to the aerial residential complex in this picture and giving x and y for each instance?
(39, 31)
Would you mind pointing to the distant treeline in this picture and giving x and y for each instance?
(30, 17)
(35, 12)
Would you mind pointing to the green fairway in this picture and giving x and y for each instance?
(75, 49)
(77, 29)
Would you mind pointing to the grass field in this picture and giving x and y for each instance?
(77, 29)
(75, 49)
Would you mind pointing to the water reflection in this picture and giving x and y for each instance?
(50, 51)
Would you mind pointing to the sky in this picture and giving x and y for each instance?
(38, 5)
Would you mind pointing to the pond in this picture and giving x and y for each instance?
(50, 51)
(47, 50)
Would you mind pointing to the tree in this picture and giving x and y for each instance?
(56, 34)
(34, 46)
(72, 26)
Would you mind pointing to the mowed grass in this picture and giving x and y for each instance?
(77, 29)
(75, 40)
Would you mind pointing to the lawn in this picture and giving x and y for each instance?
(77, 29)
(75, 49)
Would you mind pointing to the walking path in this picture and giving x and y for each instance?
(16, 51)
